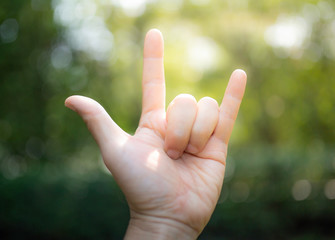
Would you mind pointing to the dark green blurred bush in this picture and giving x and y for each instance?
(34, 206)
(52, 203)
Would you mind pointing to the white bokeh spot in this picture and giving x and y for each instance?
(203, 54)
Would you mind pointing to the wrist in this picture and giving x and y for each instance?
(149, 227)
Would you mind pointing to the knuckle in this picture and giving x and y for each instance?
(184, 97)
(208, 101)
(185, 105)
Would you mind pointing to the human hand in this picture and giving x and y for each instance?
(171, 171)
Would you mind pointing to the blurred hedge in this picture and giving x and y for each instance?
(50, 204)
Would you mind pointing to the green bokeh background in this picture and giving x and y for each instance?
(281, 163)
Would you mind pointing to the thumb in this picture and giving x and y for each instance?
(109, 136)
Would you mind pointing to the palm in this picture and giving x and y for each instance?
(184, 190)
(160, 173)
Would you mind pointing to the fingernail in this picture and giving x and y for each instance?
(191, 149)
(70, 106)
(173, 154)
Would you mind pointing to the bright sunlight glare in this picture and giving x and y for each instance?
(85, 31)
(288, 33)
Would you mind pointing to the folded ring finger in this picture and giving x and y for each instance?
(204, 125)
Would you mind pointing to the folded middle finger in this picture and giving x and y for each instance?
(180, 117)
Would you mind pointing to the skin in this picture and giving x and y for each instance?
(171, 170)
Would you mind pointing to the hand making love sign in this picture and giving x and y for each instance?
(171, 170)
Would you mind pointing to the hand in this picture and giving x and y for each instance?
(171, 171)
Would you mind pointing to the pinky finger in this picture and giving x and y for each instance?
(230, 105)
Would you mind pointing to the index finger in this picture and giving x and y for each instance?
(153, 83)
(230, 105)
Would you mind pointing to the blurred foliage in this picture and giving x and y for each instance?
(279, 180)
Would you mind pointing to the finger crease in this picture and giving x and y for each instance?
(234, 97)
